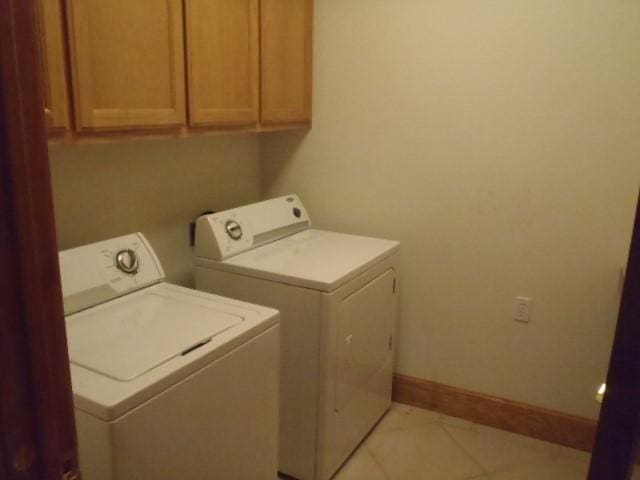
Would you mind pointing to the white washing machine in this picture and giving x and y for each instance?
(168, 382)
(337, 295)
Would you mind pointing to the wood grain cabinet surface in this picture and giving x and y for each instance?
(52, 47)
(223, 62)
(127, 63)
(248, 64)
(286, 61)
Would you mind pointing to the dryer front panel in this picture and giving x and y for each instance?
(366, 324)
(357, 357)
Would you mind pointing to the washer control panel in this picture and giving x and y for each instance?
(101, 271)
(224, 234)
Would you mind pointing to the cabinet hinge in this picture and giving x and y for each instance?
(394, 284)
(390, 342)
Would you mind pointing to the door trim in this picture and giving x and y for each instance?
(37, 439)
(619, 427)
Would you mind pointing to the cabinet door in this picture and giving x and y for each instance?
(56, 100)
(223, 61)
(127, 63)
(286, 61)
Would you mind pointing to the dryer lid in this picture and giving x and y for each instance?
(315, 259)
(129, 336)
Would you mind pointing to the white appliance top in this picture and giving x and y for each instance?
(315, 259)
(273, 240)
(101, 395)
(125, 338)
(131, 337)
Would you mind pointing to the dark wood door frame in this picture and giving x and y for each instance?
(37, 432)
(619, 426)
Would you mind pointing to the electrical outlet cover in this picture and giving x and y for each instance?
(523, 309)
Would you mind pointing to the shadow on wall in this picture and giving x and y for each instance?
(288, 144)
(153, 186)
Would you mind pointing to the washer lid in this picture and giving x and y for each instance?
(124, 339)
(316, 259)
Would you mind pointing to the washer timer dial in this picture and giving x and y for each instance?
(127, 261)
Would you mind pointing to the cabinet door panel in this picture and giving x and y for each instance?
(223, 61)
(50, 25)
(127, 63)
(286, 60)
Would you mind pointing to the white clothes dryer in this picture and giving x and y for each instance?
(337, 295)
(168, 382)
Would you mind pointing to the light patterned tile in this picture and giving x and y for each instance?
(563, 451)
(402, 416)
(533, 443)
(558, 468)
(496, 449)
(458, 422)
(426, 452)
(361, 466)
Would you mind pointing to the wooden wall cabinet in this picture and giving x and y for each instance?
(286, 61)
(54, 65)
(223, 62)
(248, 64)
(127, 63)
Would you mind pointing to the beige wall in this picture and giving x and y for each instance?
(500, 142)
(153, 186)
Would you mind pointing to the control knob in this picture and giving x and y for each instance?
(127, 261)
(234, 230)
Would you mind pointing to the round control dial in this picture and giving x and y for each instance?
(127, 261)
(234, 230)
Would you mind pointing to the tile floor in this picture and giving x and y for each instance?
(414, 444)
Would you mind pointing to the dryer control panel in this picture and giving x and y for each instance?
(225, 234)
(98, 272)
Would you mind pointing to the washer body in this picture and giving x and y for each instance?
(167, 381)
(337, 295)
